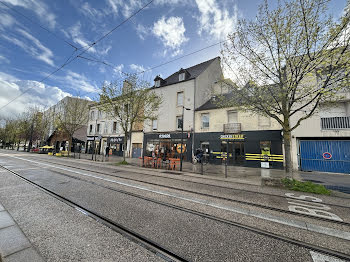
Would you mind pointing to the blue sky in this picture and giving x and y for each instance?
(163, 31)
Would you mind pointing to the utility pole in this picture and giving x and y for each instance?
(31, 135)
(182, 133)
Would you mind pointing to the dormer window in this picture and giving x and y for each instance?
(181, 76)
(157, 83)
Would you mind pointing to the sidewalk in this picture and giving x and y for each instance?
(247, 175)
(14, 245)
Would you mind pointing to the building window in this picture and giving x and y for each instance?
(154, 124)
(178, 122)
(205, 121)
(182, 77)
(157, 83)
(114, 127)
(99, 114)
(232, 117)
(92, 116)
(180, 98)
(98, 128)
(106, 128)
(90, 130)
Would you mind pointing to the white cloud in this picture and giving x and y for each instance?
(87, 10)
(75, 33)
(78, 82)
(137, 68)
(142, 31)
(4, 60)
(39, 94)
(118, 69)
(6, 20)
(39, 8)
(38, 50)
(171, 32)
(216, 20)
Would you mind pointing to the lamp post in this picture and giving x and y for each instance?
(182, 133)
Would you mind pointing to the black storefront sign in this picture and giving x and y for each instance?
(115, 140)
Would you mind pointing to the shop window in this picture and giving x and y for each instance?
(180, 98)
(179, 122)
(154, 124)
(232, 117)
(98, 128)
(205, 121)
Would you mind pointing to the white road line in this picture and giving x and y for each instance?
(318, 257)
(281, 220)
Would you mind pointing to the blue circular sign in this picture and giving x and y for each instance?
(327, 155)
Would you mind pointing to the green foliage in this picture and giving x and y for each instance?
(121, 163)
(308, 186)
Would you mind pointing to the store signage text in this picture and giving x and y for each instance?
(116, 140)
(164, 136)
(232, 137)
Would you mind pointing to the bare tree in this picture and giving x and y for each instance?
(73, 115)
(129, 102)
(287, 61)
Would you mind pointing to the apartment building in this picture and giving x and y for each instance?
(182, 92)
(322, 142)
(58, 138)
(249, 139)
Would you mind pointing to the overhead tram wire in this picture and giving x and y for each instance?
(42, 27)
(154, 67)
(70, 59)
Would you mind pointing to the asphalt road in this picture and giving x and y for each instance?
(198, 219)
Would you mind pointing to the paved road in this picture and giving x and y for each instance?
(196, 218)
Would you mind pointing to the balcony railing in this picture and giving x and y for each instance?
(232, 128)
(328, 123)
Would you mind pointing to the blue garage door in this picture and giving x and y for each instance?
(325, 156)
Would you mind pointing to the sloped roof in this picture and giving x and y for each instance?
(194, 72)
(214, 102)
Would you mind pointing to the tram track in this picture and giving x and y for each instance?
(276, 209)
(185, 181)
(158, 249)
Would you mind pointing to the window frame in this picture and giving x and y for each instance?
(177, 98)
(182, 77)
(228, 116)
(177, 122)
(202, 122)
(157, 83)
(155, 126)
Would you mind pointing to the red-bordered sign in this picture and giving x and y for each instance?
(327, 155)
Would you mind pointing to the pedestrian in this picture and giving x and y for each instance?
(107, 151)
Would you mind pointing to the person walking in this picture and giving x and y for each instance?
(107, 151)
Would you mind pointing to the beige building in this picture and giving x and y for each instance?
(250, 139)
(322, 142)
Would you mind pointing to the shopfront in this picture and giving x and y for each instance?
(116, 144)
(248, 148)
(90, 142)
(167, 145)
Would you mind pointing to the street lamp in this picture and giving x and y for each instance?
(182, 133)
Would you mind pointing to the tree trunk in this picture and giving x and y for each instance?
(125, 145)
(287, 153)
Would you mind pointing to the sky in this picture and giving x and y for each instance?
(163, 31)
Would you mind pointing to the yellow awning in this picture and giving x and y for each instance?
(47, 147)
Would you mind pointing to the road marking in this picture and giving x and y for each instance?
(313, 208)
(281, 220)
(318, 257)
